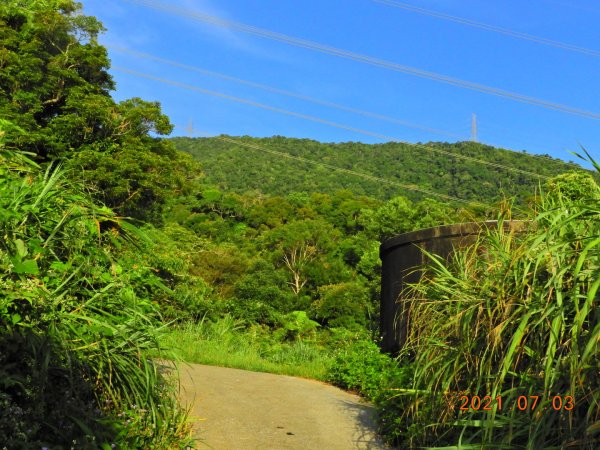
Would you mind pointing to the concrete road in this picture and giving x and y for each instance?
(241, 410)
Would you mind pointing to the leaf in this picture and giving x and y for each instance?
(60, 266)
(594, 428)
(106, 277)
(21, 248)
(28, 267)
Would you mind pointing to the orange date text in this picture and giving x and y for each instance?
(521, 403)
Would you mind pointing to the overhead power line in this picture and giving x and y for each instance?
(287, 93)
(316, 100)
(189, 14)
(324, 121)
(493, 28)
(410, 187)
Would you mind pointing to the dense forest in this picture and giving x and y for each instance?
(120, 248)
(438, 167)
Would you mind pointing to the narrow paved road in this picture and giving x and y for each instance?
(241, 410)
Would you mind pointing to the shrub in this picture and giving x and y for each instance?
(75, 333)
(343, 305)
(363, 368)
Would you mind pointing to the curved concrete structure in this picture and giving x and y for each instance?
(403, 261)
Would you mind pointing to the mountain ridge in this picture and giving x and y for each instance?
(443, 168)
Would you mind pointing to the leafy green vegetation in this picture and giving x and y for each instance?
(80, 312)
(514, 318)
(56, 88)
(117, 252)
(265, 257)
(240, 169)
(75, 328)
(362, 367)
(228, 343)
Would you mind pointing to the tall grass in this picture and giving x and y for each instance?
(226, 342)
(75, 337)
(513, 316)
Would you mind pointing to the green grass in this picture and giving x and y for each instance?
(226, 343)
(511, 316)
(75, 326)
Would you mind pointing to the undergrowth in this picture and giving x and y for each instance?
(228, 342)
(76, 333)
(514, 317)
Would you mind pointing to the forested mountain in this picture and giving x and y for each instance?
(431, 166)
(119, 252)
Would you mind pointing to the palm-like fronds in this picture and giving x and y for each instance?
(512, 316)
(61, 284)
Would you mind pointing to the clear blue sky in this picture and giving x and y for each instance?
(377, 30)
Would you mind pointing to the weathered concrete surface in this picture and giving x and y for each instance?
(241, 410)
(403, 262)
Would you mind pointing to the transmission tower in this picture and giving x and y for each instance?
(190, 128)
(474, 128)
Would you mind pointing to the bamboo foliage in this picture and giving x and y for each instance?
(64, 307)
(512, 316)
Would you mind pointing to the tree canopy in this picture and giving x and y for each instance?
(56, 89)
(428, 166)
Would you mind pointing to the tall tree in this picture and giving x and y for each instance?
(55, 86)
(53, 78)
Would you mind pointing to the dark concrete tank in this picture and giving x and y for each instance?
(401, 255)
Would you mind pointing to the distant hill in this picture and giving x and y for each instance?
(241, 169)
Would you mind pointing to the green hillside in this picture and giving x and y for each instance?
(120, 254)
(431, 166)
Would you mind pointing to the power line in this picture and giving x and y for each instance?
(311, 45)
(325, 122)
(410, 187)
(321, 102)
(488, 27)
(286, 93)
(471, 128)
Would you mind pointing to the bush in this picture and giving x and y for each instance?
(363, 368)
(75, 330)
(343, 305)
(296, 326)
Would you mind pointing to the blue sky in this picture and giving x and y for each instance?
(377, 30)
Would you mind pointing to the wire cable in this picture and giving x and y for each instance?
(268, 88)
(488, 27)
(287, 93)
(324, 121)
(410, 187)
(321, 102)
(311, 45)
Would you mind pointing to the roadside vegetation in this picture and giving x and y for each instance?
(80, 311)
(118, 253)
(77, 326)
(227, 343)
(503, 351)
(514, 318)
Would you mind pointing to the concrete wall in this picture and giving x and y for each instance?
(403, 261)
